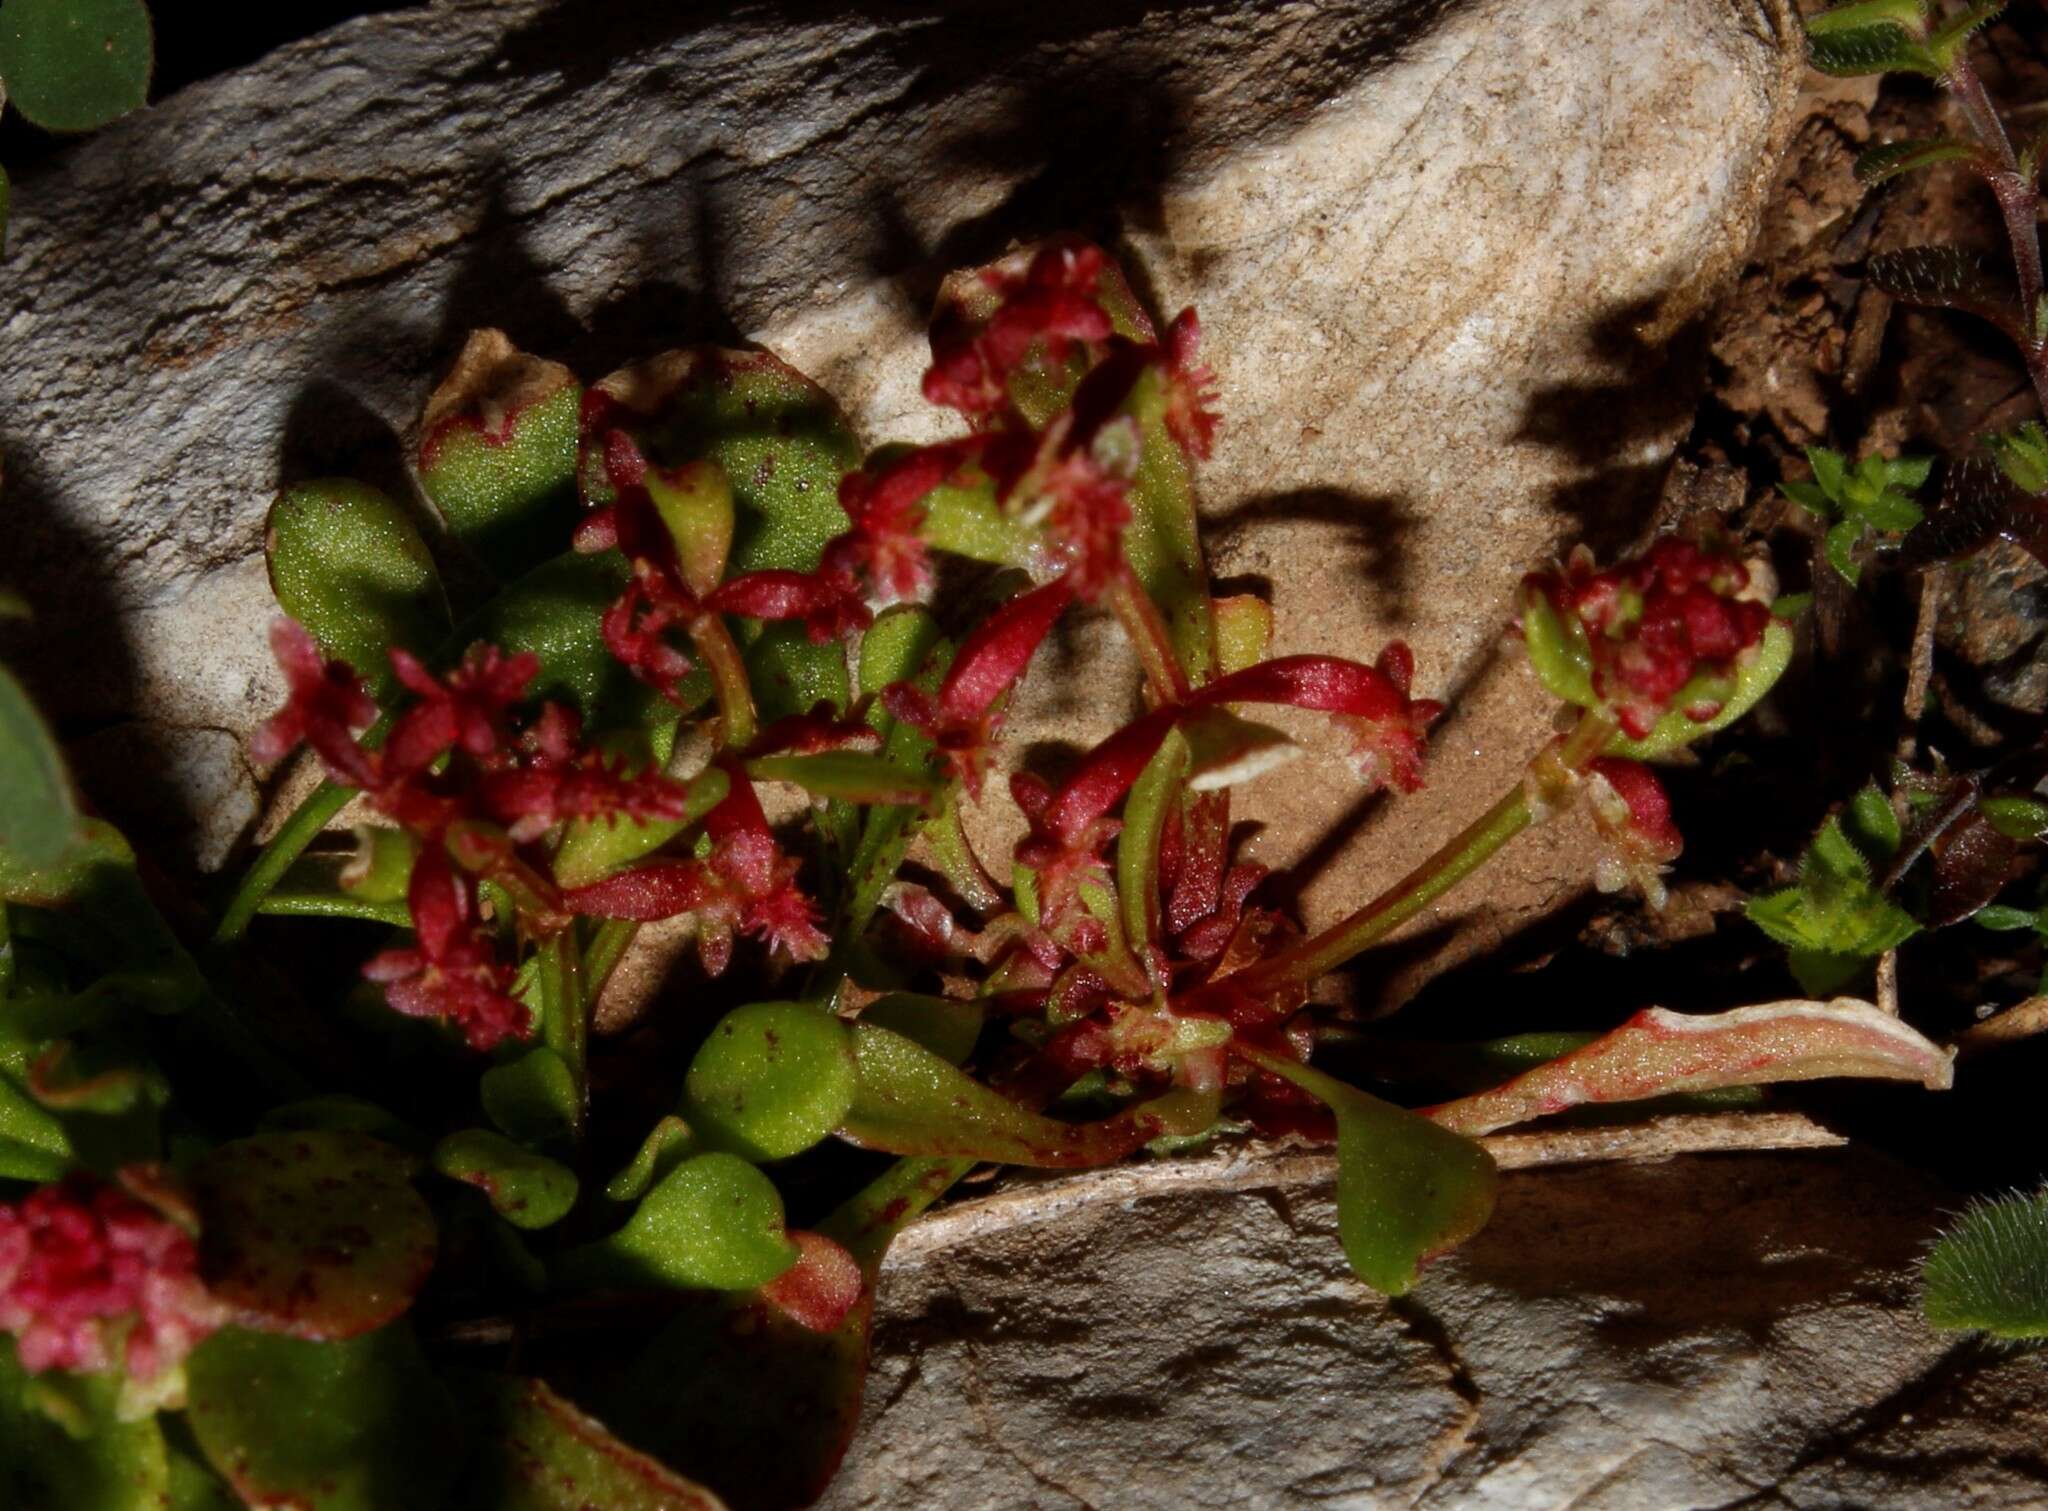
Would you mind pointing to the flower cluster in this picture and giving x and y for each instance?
(93, 1279)
(1659, 630)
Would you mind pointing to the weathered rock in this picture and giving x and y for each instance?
(1439, 249)
(1195, 1340)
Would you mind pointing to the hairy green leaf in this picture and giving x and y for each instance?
(1990, 1270)
(1947, 277)
(1877, 164)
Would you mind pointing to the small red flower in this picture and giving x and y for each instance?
(470, 708)
(1049, 305)
(637, 626)
(92, 1279)
(1190, 388)
(1090, 512)
(1680, 612)
(821, 729)
(451, 973)
(325, 704)
(963, 720)
(1064, 851)
(885, 509)
(1633, 814)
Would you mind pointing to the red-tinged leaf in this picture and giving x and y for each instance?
(1657, 1053)
(1407, 1190)
(1979, 504)
(316, 1234)
(540, 1453)
(911, 1101)
(1950, 278)
(1105, 775)
(1329, 684)
(991, 659)
(1972, 864)
(821, 1289)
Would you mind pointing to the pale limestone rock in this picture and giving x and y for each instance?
(1737, 1329)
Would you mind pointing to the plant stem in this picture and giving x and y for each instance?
(565, 1018)
(1150, 637)
(1552, 773)
(608, 945)
(317, 905)
(728, 670)
(2018, 202)
(298, 831)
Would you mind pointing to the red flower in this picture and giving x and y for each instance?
(885, 509)
(324, 706)
(828, 602)
(1050, 303)
(589, 785)
(470, 708)
(92, 1279)
(1654, 625)
(820, 729)
(963, 720)
(1090, 511)
(636, 627)
(1633, 814)
(452, 973)
(1064, 851)
(1190, 388)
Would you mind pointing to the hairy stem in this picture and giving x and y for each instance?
(1551, 775)
(2019, 203)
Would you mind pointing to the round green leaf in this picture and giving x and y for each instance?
(541, 1454)
(318, 1234)
(37, 816)
(105, 1464)
(773, 1079)
(361, 1425)
(348, 564)
(713, 1223)
(533, 1099)
(72, 65)
(527, 1190)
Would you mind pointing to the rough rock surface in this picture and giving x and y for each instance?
(1448, 253)
(1105, 1341)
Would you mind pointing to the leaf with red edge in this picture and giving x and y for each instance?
(361, 1425)
(1657, 1053)
(909, 1100)
(317, 1234)
(539, 1452)
(1407, 1189)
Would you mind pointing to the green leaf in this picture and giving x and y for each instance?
(74, 65)
(533, 1098)
(593, 849)
(1830, 471)
(2019, 818)
(1872, 36)
(1842, 540)
(105, 1465)
(912, 1101)
(712, 1223)
(33, 1145)
(1833, 911)
(1809, 496)
(667, 1145)
(38, 818)
(497, 453)
(1559, 652)
(1153, 800)
(2022, 454)
(318, 1234)
(849, 776)
(2000, 919)
(947, 1028)
(1990, 1270)
(1876, 823)
(527, 1190)
(361, 1425)
(349, 565)
(1877, 164)
(1407, 1190)
(1948, 41)
(772, 1079)
(538, 1452)
(557, 612)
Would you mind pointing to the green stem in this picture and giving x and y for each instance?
(1150, 636)
(565, 1020)
(608, 946)
(307, 820)
(728, 668)
(326, 905)
(1552, 774)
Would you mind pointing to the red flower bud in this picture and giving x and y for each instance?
(325, 704)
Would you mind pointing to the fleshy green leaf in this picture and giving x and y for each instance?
(533, 1098)
(2018, 818)
(2001, 920)
(1407, 1189)
(712, 1223)
(593, 849)
(360, 1425)
(497, 453)
(538, 1452)
(912, 1101)
(38, 818)
(772, 1079)
(528, 1190)
(947, 1028)
(1871, 36)
(849, 776)
(1558, 650)
(556, 611)
(1878, 164)
(74, 65)
(1990, 1270)
(667, 1145)
(106, 1465)
(349, 565)
(318, 1234)
(1657, 1053)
